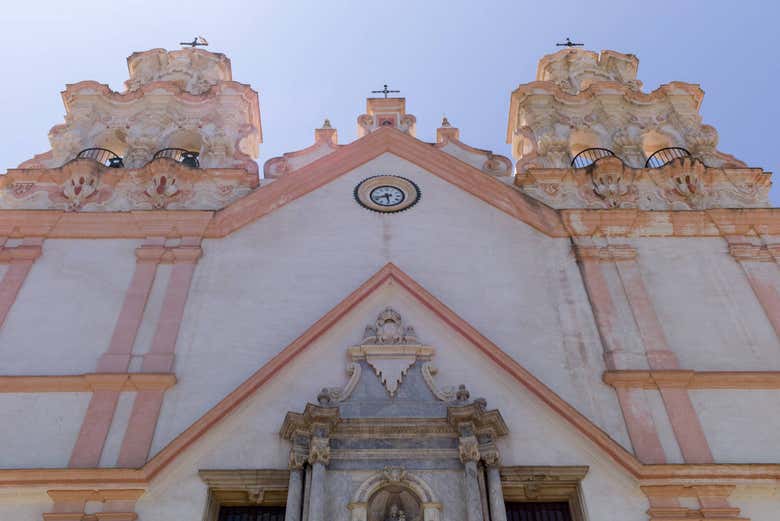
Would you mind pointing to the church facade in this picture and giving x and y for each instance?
(391, 329)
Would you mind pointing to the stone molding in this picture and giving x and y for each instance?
(239, 487)
(682, 184)
(116, 504)
(246, 486)
(605, 253)
(712, 499)
(693, 379)
(83, 185)
(545, 483)
(87, 382)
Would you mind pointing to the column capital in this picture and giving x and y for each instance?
(319, 450)
(490, 454)
(298, 457)
(468, 449)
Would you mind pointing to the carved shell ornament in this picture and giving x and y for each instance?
(78, 188)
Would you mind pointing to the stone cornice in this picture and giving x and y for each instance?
(86, 382)
(693, 379)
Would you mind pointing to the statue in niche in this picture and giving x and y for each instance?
(394, 503)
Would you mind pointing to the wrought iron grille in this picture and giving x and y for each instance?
(661, 157)
(103, 156)
(590, 156)
(541, 511)
(180, 155)
(253, 513)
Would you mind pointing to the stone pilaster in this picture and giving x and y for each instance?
(468, 450)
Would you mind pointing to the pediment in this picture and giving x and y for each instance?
(401, 343)
(295, 184)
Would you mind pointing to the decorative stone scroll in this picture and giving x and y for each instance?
(390, 348)
(683, 184)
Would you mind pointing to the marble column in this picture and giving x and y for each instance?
(295, 486)
(468, 449)
(319, 456)
(495, 494)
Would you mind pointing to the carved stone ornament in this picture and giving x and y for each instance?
(319, 450)
(79, 188)
(161, 189)
(390, 348)
(468, 449)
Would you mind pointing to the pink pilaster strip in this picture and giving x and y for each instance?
(603, 310)
(160, 355)
(686, 425)
(682, 415)
(94, 429)
(633, 403)
(140, 430)
(763, 283)
(117, 357)
(22, 258)
(640, 425)
(659, 356)
(147, 405)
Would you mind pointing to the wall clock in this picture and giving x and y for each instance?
(387, 193)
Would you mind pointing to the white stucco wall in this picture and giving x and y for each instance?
(741, 426)
(706, 306)
(258, 289)
(39, 430)
(66, 310)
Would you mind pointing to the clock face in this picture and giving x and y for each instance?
(387, 193)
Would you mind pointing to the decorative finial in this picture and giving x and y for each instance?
(196, 42)
(569, 43)
(384, 91)
(326, 123)
(445, 122)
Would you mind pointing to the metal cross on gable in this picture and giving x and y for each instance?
(196, 42)
(384, 91)
(569, 43)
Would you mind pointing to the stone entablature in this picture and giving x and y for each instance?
(182, 99)
(580, 100)
(683, 184)
(86, 185)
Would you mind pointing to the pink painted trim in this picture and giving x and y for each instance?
(12, 282)
(641, 426)
(659, 356)
(765, 291)
(117, 357)
(160, 356)
(21, 259)
(140, 429)
(146, 408)
(94, 429)
(603, 311)
(686, 425)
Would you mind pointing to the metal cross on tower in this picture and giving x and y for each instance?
(384, 91)
(568, 43)
(197, 41)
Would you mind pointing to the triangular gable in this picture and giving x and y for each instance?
(389, 272)
(298, 183)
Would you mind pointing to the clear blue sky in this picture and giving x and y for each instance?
(311, 60)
